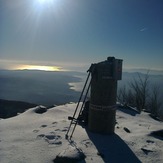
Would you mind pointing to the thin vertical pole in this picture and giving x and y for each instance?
(77, 105)
(80, 109)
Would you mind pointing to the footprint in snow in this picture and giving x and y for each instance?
(42, 126)
(51, 138)
(35, 131)
(64, 130)
(146, 150)
(41, 136)
(54, 123)
(87, 143)
(150, 141)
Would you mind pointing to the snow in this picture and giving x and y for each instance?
(39, 138)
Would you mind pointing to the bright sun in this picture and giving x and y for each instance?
(44, 1)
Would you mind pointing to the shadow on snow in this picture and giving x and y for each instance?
(112, 148)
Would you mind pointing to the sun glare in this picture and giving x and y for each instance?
(36, 67)
(44, 1)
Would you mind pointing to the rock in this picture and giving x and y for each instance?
(70, 155)
(40, 109)
(127, 130)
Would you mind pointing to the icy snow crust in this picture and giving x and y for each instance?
(40, 138)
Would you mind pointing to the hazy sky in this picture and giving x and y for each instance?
(76, 33)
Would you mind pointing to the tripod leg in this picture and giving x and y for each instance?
(66, 136)
(80, 110)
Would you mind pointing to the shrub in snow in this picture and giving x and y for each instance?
(161, 114)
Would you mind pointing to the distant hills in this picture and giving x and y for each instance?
(12, 108)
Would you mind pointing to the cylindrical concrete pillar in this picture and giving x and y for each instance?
(102, 108)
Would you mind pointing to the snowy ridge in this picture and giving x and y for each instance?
(32, 137)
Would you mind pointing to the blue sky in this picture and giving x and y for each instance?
(75, 33)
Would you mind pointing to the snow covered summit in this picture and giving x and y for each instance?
(32, 137)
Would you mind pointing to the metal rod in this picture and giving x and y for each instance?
(77, 105)
(80, 110)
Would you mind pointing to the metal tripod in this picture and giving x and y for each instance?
(74, 120)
